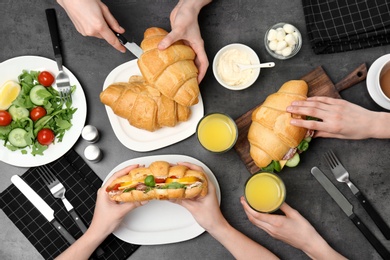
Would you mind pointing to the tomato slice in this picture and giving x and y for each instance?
(5, 118)
(45, 136)
(45, 78)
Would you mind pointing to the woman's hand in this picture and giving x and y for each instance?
(339, 118)
(205, 210)
(109, 214)
(184, 23)
(93, 18)
(292, 228)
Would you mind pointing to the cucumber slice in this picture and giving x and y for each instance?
(17, 137)
(38, 98)
(18, 112)
(293, 161)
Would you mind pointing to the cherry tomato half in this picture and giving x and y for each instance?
(45, 136)
(5, 118)
(37, 112)
(45, 78)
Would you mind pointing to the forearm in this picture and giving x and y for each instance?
(380, 125)
(317, 248)
(195, 5)
(83, 247)
(239, 245)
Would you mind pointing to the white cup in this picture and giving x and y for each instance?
(383, 80)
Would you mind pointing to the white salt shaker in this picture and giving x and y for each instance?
(90, 134)
(93, 153)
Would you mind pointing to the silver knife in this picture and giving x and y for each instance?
(131, 46)
(41, 205)
(347, 207)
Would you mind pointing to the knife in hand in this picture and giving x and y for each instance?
(131, 46)
(41, 205)
(347, 207)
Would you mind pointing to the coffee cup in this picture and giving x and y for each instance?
(383, 80)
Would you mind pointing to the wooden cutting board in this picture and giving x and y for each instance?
(319, 85)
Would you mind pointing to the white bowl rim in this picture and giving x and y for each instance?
(253, 54)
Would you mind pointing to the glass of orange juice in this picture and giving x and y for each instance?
(217, 132)
(265, 192)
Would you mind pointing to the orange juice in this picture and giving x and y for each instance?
(265, 192)
(217, 132)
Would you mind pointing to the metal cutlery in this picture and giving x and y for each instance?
(255, 66)
(58, 190)
(62, 79)
(347, 207)
(41, 205)
(131, 46)
(342, 175)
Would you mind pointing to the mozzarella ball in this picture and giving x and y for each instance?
(281, 45)
(273, 45)
(272, 35)
(280, 35)
(286, 51)
(288, 28)
(290, 39)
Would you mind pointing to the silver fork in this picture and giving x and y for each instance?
(342, 175)
(62, 79)
(58, 190)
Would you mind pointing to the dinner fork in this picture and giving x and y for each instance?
(58, 190)
(62, 79)
(342, 175)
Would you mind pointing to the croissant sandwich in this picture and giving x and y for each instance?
(271, 136)
(143, 106)
(172, 71)
(159, 181)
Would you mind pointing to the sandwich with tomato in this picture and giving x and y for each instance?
(159, 181)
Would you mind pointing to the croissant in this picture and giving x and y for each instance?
(172, 71)
(270, 134)
(143, 106)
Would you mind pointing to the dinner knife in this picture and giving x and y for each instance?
(131, 46)
(41, 205)
(347, 207)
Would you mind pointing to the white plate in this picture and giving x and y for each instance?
(160, 222)
(10, 70)
(142, 140)
(371, 81)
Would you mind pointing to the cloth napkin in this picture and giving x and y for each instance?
(81, 185)
(344, 25)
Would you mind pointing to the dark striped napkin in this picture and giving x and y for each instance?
(344, 25)
(81, 185)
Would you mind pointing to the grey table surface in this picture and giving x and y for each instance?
(24, 31)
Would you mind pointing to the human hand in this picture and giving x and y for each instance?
(205, 210)
(184, 23)
(109, 214)
(93, 18)
(292, 228)
(340, 118)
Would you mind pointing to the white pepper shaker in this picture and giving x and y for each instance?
(93, 153)
(90, 134)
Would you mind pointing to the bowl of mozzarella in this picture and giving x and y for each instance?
(283, 41)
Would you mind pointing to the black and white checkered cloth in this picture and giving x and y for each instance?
(81, 185)
(344, 25)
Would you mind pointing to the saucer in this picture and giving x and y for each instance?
(371, 82)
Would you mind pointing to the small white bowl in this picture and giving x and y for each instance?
(296, 47)
(252, 74)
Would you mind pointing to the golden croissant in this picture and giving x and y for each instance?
(143, 106)
(172, 71)
(271, 135)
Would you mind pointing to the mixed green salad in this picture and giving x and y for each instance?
(37, 117)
